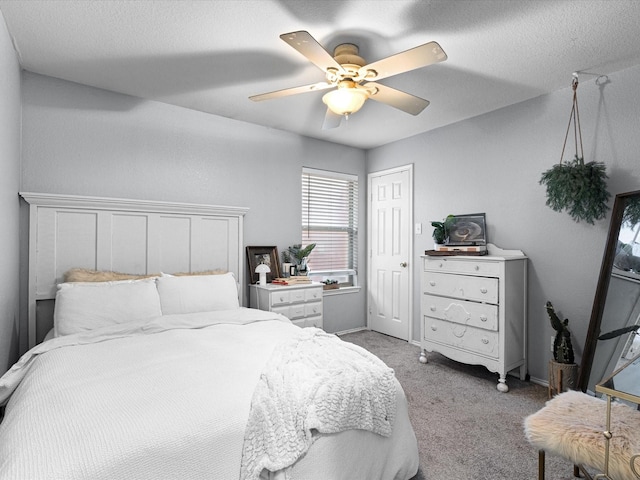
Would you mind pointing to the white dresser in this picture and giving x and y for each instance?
(474, 310)
(302, 304)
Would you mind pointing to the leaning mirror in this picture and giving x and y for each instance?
(615, 317)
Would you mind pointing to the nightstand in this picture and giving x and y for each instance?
(302, 304)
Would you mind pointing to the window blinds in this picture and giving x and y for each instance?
(330, 219)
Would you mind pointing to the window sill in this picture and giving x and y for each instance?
(340, 291)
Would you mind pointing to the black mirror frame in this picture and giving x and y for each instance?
(600, 297)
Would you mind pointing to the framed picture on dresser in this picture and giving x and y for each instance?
(263, 255)
(468, 230)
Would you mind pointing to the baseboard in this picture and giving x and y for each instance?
(539, 381)
(352, 330)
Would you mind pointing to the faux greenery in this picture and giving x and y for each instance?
(298, 253)
(578, 187)
(562, 348)
(441, 229)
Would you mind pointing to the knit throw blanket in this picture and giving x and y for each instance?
(314, 384)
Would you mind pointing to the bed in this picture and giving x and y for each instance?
(169, 376)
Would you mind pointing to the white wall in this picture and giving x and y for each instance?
(493, 163)
(9, 203)
(81, 140)
(85, 141)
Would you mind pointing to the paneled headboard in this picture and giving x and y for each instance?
(128, 236)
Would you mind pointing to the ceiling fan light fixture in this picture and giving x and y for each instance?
(346, 100)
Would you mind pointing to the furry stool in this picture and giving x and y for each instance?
(571, 425)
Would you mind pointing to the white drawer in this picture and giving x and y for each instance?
(296, 311)
(480, 315)
(311, 294)
(311, 309)
(297, 296)
(314, 321)
(463, 337)
(281, 310)
(280, 298)
(479, 289)
(456, 265)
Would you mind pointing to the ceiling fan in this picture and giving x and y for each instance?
(352, 79)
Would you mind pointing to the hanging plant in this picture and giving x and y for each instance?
(576, 186)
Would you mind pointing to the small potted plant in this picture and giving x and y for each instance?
(300, 255)
(563, 371)
(440, 230)
(330, 284)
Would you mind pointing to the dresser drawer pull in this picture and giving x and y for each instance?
(433, 308)
(434, 328)
(441, 265)
(477, 267)
(432, 283)
(483, 290)
(483, 318)
(281, 299)
(485, 340)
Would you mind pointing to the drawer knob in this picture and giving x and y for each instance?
(485, 340)
(477, 267)
(282, 299)
(483, 290)
(434, 328)
(483, 318)
(432, 283)
(432, 308)
(441, 265)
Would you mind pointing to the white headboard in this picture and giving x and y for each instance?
(127, 236)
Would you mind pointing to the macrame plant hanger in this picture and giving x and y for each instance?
(577, 187)
(575, 118)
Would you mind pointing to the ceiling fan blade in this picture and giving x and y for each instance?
(331, 120)
(308, 46)
(315, 87)
(417, 57)
(398, 99)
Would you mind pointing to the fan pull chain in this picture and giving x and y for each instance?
(575, 116)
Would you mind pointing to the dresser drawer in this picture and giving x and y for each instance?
(315, 321)
(311, 309)
(480, 315)
(479, 289)
(290, 296)
(467, 267)
(280, 298)
(312, 294)
(463, 337)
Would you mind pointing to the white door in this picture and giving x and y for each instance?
(390, 245)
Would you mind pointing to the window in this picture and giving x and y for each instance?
(330, 220)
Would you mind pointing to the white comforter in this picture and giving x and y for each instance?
(124, 402)
(168, 399)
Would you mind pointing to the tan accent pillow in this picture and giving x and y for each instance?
(87, 275)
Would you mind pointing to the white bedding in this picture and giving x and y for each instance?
(167, 398)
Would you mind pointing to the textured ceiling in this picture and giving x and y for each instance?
(212, 55)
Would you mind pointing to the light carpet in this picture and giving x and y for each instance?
(466, 428)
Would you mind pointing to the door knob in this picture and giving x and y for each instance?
(403, 264)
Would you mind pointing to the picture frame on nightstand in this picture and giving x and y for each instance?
(265, 255)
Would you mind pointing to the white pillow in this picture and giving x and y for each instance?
(86, 306)
(197, 293)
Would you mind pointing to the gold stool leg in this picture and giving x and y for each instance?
(540, 464)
